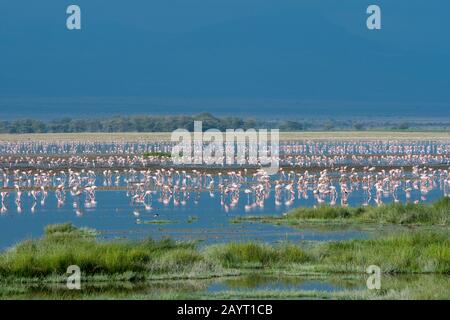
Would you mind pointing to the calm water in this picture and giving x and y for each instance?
(204, 216)
(202, 219)
(113, 188)
(242, 285)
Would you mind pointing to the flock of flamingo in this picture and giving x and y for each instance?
(76, 155)
(329, 172)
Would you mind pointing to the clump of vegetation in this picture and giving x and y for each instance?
(416, 252)
(437, 213)
(255, 255)
(177, 260)
(67, 230)
(65, 245)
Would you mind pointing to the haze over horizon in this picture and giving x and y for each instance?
(241, 57)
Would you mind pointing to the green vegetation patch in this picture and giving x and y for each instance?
(65, 245)
(437, 213)
(256, 255)
(410, 252)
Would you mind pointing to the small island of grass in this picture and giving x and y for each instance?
(437, 213)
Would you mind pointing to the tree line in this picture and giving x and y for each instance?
(139, 124)
(145, 123)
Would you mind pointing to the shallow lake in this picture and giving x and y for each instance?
(115, 217)
(195, 215)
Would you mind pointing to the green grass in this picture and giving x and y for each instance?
(256, 255)
(42, 262)
(64, 245)
(413, 252)
(437, 213)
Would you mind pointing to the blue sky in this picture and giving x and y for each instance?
(296, 53)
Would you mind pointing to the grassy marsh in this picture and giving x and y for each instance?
(437, 213)
(37, 267)
(64, 245)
